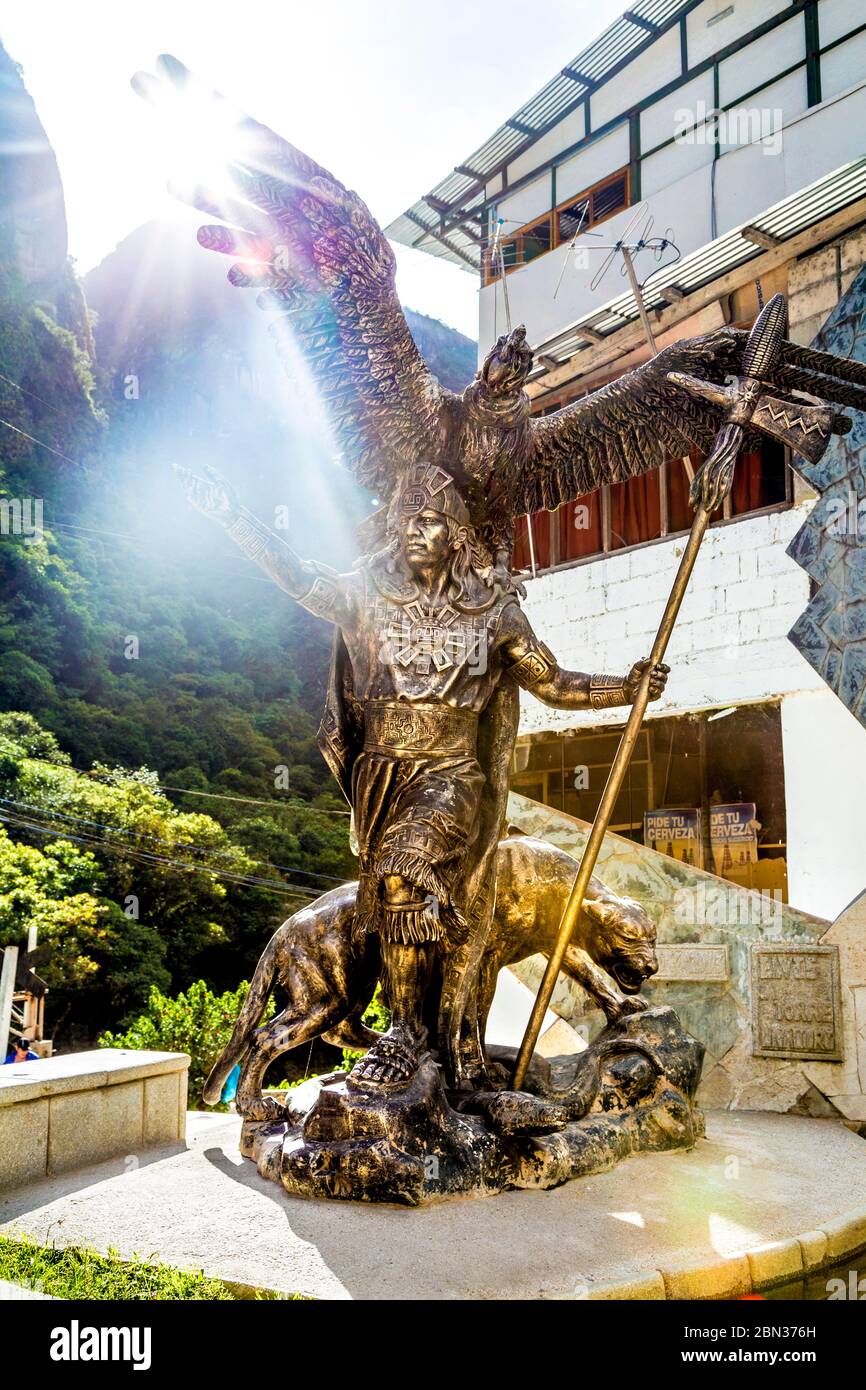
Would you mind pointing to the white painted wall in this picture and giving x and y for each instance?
(730, 644)
(676, 183)
(705, 39)
(529, 202)
(659, 65)
(602, 157)
(776, 51)
(838, 17)
(824, 750)
(565, 133)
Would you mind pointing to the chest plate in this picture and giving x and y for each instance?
(422, 640)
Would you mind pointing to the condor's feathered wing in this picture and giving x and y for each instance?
(627, 427)
(678, 400)
(326, 271)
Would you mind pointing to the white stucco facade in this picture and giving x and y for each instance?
(825, 801)
(729, 645)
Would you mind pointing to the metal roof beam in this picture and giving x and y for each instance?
(522, 127)
(579, 77)
(464, 231)
(469, 173)
(455, 250)
(641, 22)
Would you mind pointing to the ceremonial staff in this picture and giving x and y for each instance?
(748, 403)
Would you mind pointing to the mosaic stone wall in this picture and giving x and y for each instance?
(831, 632)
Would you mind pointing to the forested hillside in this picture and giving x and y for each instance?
(165, 805)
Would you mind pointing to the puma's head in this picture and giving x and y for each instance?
(622, 941)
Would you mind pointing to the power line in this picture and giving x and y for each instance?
(125, 851)
(224, 796)
(158, 839)
(24, 391)
(251, 801)
(40, 442)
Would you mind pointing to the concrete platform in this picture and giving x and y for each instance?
(762, 1200)
(59, 1113)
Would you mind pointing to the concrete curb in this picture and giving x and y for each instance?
(17, 1292)
(778, 1262)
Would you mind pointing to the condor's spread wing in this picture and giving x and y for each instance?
(325, 272)
(627, 427)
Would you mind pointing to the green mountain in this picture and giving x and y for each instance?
(130, 630)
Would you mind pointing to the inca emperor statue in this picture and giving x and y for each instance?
(431, 649)
(419, 730)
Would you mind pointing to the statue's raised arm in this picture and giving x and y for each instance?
(315, 586)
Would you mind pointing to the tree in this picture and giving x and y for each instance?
(198, 1022)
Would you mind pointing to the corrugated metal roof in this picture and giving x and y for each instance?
(784, 220)
(425, 222)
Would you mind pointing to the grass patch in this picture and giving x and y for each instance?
(72, 1272)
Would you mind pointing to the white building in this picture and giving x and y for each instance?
(738, 126)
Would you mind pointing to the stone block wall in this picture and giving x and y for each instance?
(818, 281)
(67, 1112)
(730, 644)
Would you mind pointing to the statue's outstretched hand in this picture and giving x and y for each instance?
(658, 679)
(211, 495)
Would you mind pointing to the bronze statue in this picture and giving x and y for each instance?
(418, 733)
(430, 651)
(329, 971)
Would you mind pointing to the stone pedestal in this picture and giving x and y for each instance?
(631, 1091)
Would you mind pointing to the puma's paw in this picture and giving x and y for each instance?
(623, 1006)
(262, 1108)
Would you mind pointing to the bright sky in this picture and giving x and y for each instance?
(388, 94)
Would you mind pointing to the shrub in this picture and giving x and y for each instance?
(197, 1021)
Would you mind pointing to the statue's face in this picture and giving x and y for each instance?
(424, 539)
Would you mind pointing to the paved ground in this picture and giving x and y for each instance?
(763, 1197)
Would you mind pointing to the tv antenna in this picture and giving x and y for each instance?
(637, 238)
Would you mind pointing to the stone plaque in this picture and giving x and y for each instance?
(693, 960)
(796, 1002)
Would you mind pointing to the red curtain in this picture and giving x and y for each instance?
(579, 524)
(635, 512)
(748, 492)
(541, 540)
(679, 508)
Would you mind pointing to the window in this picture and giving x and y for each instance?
(569, 218)
(558, 227)
(645, 508)
(520, 248)
(594, 205)
(690, 761)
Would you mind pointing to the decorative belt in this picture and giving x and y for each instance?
(392, 726)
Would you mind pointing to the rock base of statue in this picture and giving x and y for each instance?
(632, 1091)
